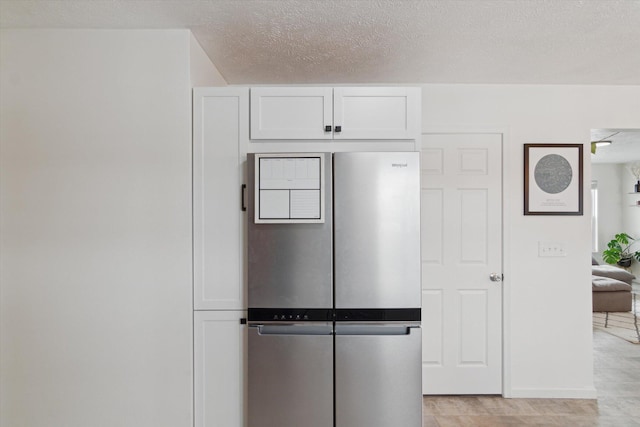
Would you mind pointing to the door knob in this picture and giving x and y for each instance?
(495, 277)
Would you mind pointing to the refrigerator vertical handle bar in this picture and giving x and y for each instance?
(243, 190)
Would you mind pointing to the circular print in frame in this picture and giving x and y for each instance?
(553, 173)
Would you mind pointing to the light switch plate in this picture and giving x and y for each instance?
(551, 249)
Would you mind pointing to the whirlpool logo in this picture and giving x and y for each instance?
(399, 165)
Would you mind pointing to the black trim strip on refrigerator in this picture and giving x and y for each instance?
(378, 314)
(290, 315)
(338, 315)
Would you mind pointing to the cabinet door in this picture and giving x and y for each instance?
(220, 366)
(291, 113)
(220, 135)
(376, 112)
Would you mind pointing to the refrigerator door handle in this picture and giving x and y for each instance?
(373, 330)
(243, 189)
(294, 329)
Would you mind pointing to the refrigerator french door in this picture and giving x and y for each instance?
(291, 375)
(334, 300)
(378, 375)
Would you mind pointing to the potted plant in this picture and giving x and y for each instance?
(619, 251)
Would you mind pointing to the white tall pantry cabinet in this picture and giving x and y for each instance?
(222, 118)
(220, 136)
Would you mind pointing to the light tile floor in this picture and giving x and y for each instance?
(617, 380)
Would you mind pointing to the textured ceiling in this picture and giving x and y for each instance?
(393, 41)
(624, 148)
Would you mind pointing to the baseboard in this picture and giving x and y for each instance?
(553, 393)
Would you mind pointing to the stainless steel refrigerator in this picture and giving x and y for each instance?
(334, 290)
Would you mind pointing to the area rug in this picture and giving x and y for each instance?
(619, 324)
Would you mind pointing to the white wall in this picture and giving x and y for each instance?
(610, 202)
(95, 228)
(630, 211)
(202, 70)
(548, 321)
(617, 210)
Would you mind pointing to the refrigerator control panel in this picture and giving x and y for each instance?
(289, 315)
(289, 188)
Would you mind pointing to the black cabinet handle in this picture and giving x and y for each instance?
(338, 128)
(243, 321)
(327, 128)
(243, 189)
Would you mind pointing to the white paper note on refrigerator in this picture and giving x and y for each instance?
(289, 188)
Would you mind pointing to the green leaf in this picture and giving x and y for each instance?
(614, 245)
(623, 238)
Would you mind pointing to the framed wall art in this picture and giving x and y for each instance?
(553, 179)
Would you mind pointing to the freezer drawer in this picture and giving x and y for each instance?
(378, 377)
(291, 375)
(377, 230)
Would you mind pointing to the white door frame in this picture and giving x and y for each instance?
(506, 227)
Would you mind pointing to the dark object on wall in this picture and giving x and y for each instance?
(553, 180)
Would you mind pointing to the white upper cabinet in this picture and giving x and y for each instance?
(376, 113)
(220, 135)
(291, 113)
(352, 113)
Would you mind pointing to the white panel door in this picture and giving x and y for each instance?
(291, 113)
(461, 247)
(220, 342)
(376, 113)
(220, 135)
